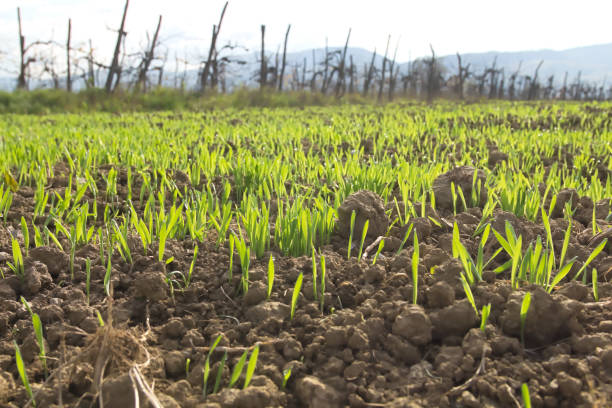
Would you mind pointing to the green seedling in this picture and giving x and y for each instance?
(87, 278)
(486, 311)
(561, 274)
(17, 266)
(352, 229)
(231, 257)
(107, 275)
(244, 253)
(238, 369)
(415, 270)
(593, 255)
(296, 293)
(468, 294)
(286, 376)
(22, 373)
(187, 365)
(513, 246)
(219, 373)
(594, 279)
(26, 236)
(406, 235)
(378, 251)
(251, 366)
(270, 276)
(524, 309)
(314, 275)
(192, 265)
(38, 332)
(322, 285)
(364, 232)
(206, 372)
(100, 319)
(525, 395)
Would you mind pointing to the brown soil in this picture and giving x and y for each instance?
(369, 347)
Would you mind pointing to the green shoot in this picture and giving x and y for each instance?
(322, 285)
(220, 373)
(296, 293)
(415, 270)
(593, 255)
(22, 373)
(100, 319)
(364, 232)
(286, 376)
(238, 369)
(314, 275)
(17, 266)
(26, 236)
(87, 278)
(468, 293)
(251, 366)
(408, 231)
(270, 276)
(594, 279)
(207, 364)
(352, 229)
(231, 257)
(524, 309)
(378, 251)
(486, 311)
(525, 395)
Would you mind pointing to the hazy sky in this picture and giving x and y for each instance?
(449, 25)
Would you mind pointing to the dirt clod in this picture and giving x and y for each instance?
(367, 206)
(312, 392)
(463, 177)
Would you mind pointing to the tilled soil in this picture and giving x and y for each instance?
(365, 344)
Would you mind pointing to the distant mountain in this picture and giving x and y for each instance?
(594, 63)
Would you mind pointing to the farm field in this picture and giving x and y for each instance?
(453, 255)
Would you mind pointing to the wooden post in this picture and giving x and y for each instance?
(114, 67)
(262, 67)
(324, 85)
(384, 68)
(340, 81)
(392, 75)
(370, 73)
(68, 73)
(211, 51)
(148, 58)
(21, 79)
(281, 78)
